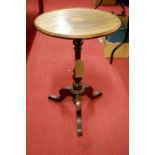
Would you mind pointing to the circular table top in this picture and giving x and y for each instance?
(77, 23)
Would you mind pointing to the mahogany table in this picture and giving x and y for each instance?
(77, 24)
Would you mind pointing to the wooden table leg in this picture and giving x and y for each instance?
(41, 7)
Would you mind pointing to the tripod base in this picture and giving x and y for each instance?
(69, 91)
(76, 97)
(77, 90)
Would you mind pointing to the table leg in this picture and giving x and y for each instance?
(64, 92)
(78, 105)
(41, 7)
(89, 91)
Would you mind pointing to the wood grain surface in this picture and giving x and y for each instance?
(77, 23)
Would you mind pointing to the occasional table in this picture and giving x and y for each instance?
(77, 24)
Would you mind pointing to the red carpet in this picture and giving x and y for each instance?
(51, 127)
(32, 12)
(61, 4)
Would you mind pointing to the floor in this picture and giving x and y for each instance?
(51, 127)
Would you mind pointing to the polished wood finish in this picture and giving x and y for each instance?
(77, 90)
(77, 23)
(79, 69)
